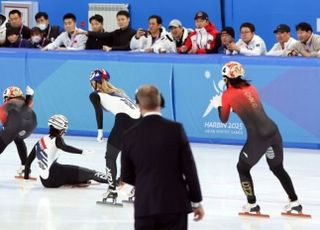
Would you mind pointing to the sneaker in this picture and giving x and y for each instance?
(293, 207)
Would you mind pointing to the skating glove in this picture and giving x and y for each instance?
(29, 91)
(87, 151)
(216, 101)
(100, 135)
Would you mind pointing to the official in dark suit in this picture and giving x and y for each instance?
(157, 160)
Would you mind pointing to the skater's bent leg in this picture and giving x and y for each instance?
(88, 174)
(246, 181)
(22, 150)
(111, 163)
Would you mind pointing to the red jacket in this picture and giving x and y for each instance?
(204, 39)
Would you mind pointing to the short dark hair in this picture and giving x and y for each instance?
(96, 17)
(157, 17)
(304, 27)
(12, 30)
(36, 30)
(15, 12)
(123, 13)
(41, 14)
(69, 16)
(248, 25)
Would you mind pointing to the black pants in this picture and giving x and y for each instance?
(253, 150)
(162, 222)
(60, 175)
(19, 125)
(121, 124)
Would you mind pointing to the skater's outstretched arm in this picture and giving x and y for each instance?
(66, 148)
(29, 161)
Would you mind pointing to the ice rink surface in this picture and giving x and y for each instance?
(28, 205)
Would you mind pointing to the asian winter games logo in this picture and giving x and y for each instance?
(215, 125)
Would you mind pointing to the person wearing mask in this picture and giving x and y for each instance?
(50, 32)
(70, 39)
(37, 38)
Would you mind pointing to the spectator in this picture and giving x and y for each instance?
(3, 28)
(145, 40)
(70, 39)
(308, 44)
(249, 44)
(14, 39)
(94, 42)
(15, 21)
(226, 38)
(285, 41)
(205, 37)
(37, 38)
(157, 160)
(175, 40)
(50, 33)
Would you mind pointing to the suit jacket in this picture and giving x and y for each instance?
(157, 160)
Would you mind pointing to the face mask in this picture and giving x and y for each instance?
(36, 39)
(42, 26)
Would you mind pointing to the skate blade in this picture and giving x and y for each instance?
(22, 177)
(301, 215)
(81, 185)
(110, 204)
(254, 214)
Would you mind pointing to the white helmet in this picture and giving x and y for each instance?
(232, 70)
(12, 92)
(58, 121)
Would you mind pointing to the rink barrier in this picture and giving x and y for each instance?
(288, 88)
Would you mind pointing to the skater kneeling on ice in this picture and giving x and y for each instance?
(52, 174)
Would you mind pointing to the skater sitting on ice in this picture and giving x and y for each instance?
(53, 174)
(263, 134)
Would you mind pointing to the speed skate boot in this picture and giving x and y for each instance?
(294, 208)
(130, 196)
(110, 198)
(252, 210)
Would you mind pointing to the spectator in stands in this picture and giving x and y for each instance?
(249, 44)
(205, 37)
(15, 40)
(226, 37)
(308, 44)
(285, 41)
(95, 42)
(50, 33)
(3, 28)
(15, 21)
(118, 39)
(69, 39)
(145, 40)
(37, 39)
(172, 42)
